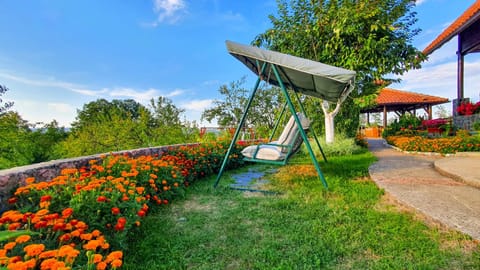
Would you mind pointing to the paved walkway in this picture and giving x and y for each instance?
(414, 181)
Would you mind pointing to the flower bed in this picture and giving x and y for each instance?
(82, 218)
(437, 145)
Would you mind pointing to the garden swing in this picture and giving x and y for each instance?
(300, 75)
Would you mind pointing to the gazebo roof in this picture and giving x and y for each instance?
(467, 22)
(397, 100)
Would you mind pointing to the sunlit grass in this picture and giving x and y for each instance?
(349, 226)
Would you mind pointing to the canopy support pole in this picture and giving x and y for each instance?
(278, 122)
(313, 132)
(242, 121)
(299, 124)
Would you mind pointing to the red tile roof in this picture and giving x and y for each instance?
(471, 15)
(390, 96)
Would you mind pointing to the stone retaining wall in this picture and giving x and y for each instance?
(14, 177)
(465, 121)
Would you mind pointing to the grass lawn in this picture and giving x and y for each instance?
(352, 226)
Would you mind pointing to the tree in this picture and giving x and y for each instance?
(6, 105)
(228, 112)
(165, 113)
(104, 126)
(371, 37)
(15, 143)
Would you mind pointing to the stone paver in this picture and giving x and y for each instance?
(413, 180)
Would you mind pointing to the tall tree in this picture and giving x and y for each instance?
(6, 105)
(15, 144)
(228, 111)
(372, 37)
(165, 113)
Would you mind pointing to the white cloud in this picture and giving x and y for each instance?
(52, 82)
(89, 92)
(419, 2)
(174, 93)
(36, 112)
(167, 11)
(197, 105)
(137, 95)
(61, 107)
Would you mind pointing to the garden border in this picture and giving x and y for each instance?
(44, 171)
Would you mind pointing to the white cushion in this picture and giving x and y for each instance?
(273, 152)
(265, 151)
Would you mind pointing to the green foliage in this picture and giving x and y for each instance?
(228, 112)
(15, 141)
(342, 146)
(6, 105)
(476, 126)
(406, 125)
(103, 126)
(374, 38)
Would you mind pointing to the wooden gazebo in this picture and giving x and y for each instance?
(467, 29)
(400, 102)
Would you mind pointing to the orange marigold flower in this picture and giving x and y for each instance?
(42, 212)
(101, 266)
(30, 264)
(30, 180)
(114, 255)
(76, 233)
(34, 249)
(116, 263)
(48, 254)
(81, 225)
(91, 245)
(22, 239)
(97, 258)
(51, 264)
(96, 233)
(14, 226)
(86, 236)
(3, 253)
(67, 212)
(9, 245)
(115, 210)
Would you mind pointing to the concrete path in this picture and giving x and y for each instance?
(414, 181)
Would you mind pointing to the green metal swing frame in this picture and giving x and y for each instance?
(260, 68)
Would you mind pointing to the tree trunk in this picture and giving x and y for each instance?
(329, 128)
(329, 120)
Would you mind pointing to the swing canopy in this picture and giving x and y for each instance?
(305, 76)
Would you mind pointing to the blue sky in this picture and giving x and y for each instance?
(57, 55)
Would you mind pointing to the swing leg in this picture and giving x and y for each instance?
(302, 132)
(242, 121)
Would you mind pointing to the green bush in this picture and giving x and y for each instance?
(342, 146)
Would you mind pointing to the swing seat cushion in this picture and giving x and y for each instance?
(288, 142)
(265, 151)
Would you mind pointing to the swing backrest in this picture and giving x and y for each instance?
(290, 132)
(287, 144)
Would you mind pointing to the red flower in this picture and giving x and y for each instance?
(12, 200)
(45, 198)
(115, 210)
(67, 212)
(101, 199)
(141, 213)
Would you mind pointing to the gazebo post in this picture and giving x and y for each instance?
(429, 111)
(460, 68)
(384, 116)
